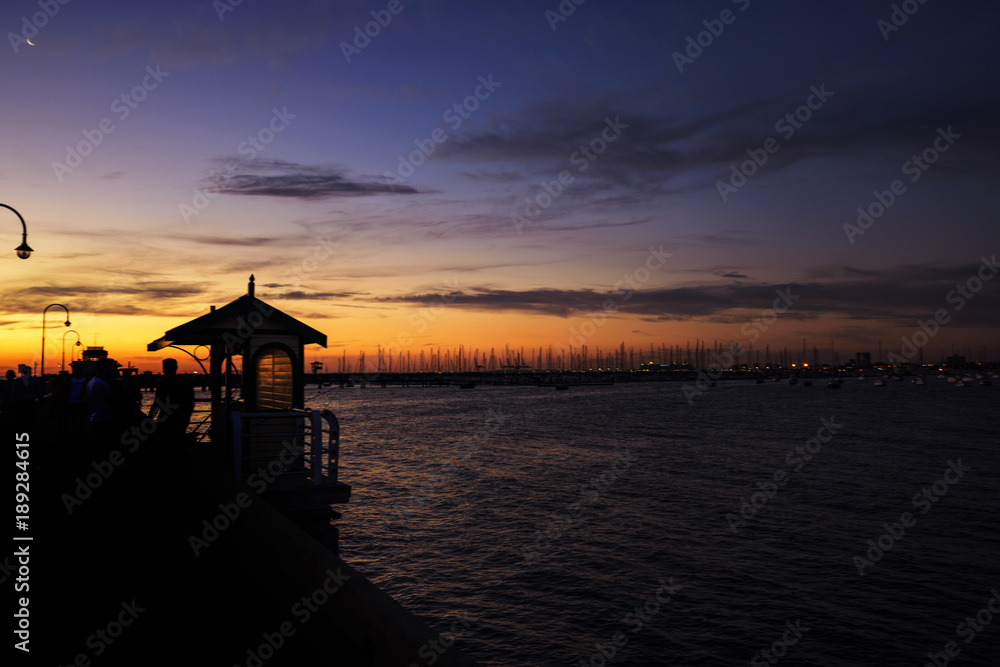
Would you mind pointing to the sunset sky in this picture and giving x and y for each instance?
(432, 184)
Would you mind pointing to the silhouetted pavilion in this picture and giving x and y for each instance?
(266, 347)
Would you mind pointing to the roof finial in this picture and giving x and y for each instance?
(250, 287)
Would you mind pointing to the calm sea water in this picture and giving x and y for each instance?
(539, 526)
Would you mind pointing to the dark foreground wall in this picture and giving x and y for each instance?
(122, 570)
(358, 620)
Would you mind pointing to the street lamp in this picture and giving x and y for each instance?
(71, 331)
(42, 378)
(24, 250)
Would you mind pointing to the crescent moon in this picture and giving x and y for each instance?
(30, 42)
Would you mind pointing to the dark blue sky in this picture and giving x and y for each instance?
(258, 140)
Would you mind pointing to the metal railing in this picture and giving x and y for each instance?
(311, 453)
(201, 428)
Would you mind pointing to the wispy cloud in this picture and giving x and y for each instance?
(299, 295)
(278, 178)
(122, 296)
(229, 240)
(893, 296)
(670, 150)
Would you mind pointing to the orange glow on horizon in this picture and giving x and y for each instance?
(408, 330)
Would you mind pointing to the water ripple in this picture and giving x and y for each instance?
(535, 526)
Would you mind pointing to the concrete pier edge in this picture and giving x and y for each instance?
(374, 626)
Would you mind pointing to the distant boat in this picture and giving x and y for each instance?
(952, 378)
(985, 382)
(862, 378)
(793, 380)
(897, 378)
(833, 384)
(919, 381)
(960, 383)
(879, 382)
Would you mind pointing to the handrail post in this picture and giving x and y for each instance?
(317, 448)
(333, 451)
(237, 446)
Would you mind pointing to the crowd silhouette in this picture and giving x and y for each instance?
(90, 416)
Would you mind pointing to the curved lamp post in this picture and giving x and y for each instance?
(195, 357)
(42, 378)
(71, 331)
(24, 250)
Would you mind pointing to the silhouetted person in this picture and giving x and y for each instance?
(59, 402)
(99, 402)
(78, 400)
(173, 404)
(126, 402)
(7, 403)
(26, 391)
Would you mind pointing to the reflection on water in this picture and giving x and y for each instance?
(556, 520)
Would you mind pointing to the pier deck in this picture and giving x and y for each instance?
(153, 536)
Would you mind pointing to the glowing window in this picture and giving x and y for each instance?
(274, 380)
